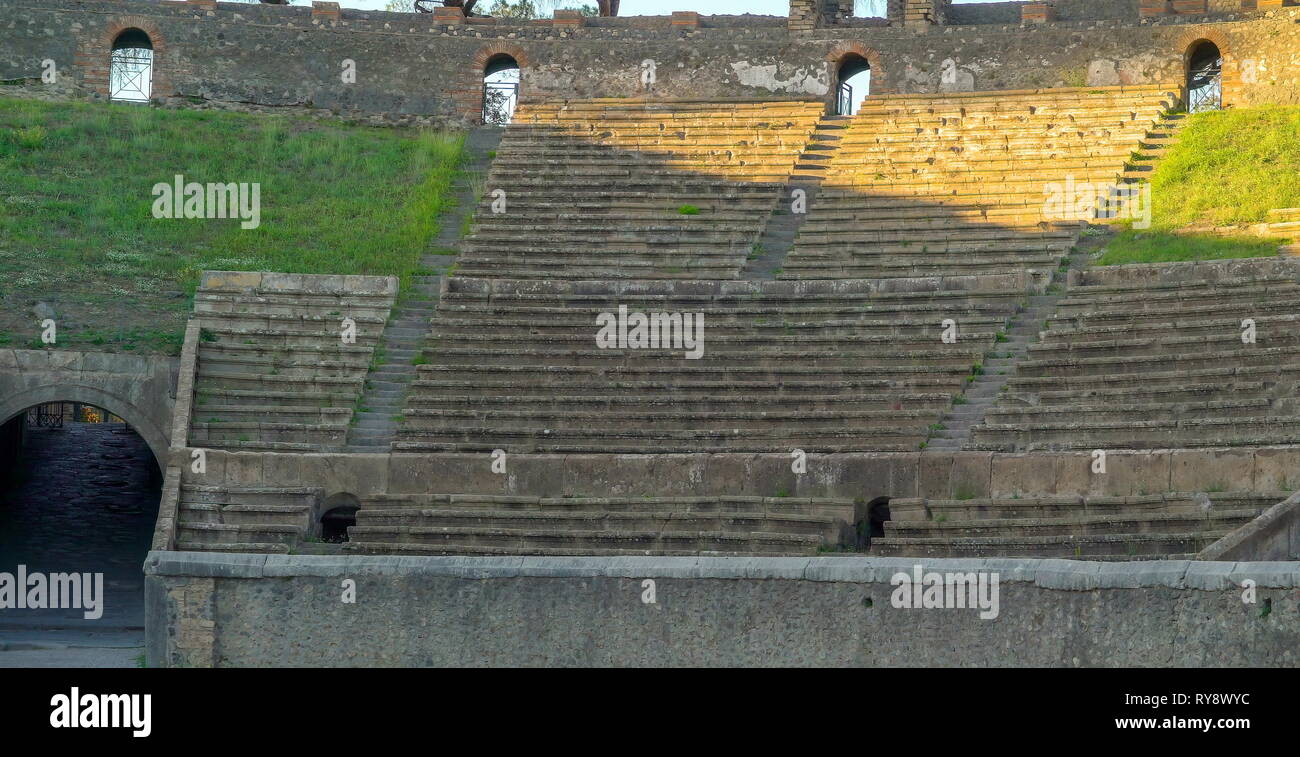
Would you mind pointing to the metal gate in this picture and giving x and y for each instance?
(499, 99)
(49, 415)
(1205, 87)
(844, 100)
(130, 75)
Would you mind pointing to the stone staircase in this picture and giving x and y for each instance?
(378, 415)
(272, 371)
(954, 184)
(821, 366)
(1285, 223)
(982, 394)
(245, 518)
(623, 188)
(782, 227)
(1027, 326)
(477, 524)
(1147, 527)
(1148, 356)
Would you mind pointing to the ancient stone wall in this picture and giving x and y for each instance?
(409, 68)
(867, 475)
(141, 390)
(203, 609)
(1063, 10)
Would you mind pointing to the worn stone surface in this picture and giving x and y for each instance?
(138, 389)
(735, 611)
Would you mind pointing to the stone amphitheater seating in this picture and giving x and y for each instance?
(594, 188)
(926, 184)
(1160, 526)
(475, 524)
(245, 519)
(820, 366)
(272, 370)
(1151, 358)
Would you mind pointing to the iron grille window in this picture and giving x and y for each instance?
(1205, 87)
(130, 75)
(844, 100)
(499, 100)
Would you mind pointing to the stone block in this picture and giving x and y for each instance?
(1197, 470)
(1277, 468)
(1037, 13)
(244, 469)
(568, 18)
(970, 475)
(685, 19)
(453, 15)
(1131, 472)
(326, 11)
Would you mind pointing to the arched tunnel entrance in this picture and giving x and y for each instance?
(79, 495)
(869, 519)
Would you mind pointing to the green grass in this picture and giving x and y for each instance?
(688, 210)
(1132, 246)
(76, 225)
(478, 187)
(1228, 168)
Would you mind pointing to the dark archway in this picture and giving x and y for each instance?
(338, 513)
(869, 520)
(130, 69)
(138, 419)
(1204, 77)
(501, 80)
(79, 496)
(852, 84)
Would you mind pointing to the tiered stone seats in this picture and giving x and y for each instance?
(1172, 526)
(596, 189)
(273, 371)
(820, 366)
(245, 519)
(473, 524)
(958, 183)
(1155, 359)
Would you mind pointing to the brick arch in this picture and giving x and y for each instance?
(836, 56)
(468, 94)
(93, 51)
(1187, 41)
(489, 52)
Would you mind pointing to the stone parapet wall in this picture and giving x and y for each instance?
(939, 475)
(824, 611)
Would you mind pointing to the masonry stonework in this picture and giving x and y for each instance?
(415, 68)
(821, 611)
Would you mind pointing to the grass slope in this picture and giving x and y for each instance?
(77, 230)
(1229, 167)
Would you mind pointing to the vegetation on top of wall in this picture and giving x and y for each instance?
(78, 232)
(1228, 168)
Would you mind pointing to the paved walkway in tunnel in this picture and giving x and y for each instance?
(83, 499)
